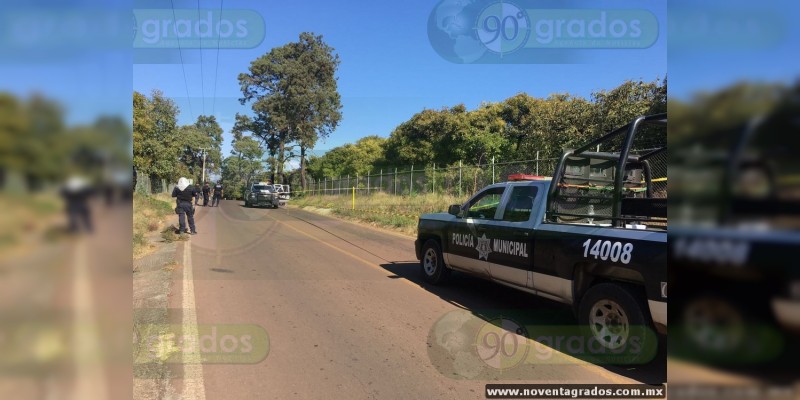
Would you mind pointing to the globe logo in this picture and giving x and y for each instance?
(451, 30)
(468, 31)
(503, 27)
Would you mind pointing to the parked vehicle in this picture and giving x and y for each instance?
(262, 194)
(593, 236)
(737, 214)
(283, 193)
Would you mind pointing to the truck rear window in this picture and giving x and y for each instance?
(520, 203)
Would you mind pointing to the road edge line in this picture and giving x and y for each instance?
(193, 385)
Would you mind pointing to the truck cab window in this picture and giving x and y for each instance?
(520, 203)
(485, 205)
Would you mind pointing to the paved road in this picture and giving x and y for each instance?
(66, 313)
(348, 316)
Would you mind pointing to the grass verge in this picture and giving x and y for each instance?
(150, 214)
(398, 213)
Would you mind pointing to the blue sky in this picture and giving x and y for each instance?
(389, 70)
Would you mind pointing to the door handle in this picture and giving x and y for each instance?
(522, 234)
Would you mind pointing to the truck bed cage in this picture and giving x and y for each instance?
(570, 198)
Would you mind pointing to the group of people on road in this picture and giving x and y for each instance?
(184, 193)
(215, 192)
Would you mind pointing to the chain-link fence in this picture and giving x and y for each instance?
(455, 180)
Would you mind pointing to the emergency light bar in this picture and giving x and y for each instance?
(526, 177)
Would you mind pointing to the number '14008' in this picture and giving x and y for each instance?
(605, 250)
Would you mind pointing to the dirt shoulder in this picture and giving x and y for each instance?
(154, 260)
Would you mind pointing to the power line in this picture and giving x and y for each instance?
(183, 66)
(216, 68)
(202, 84)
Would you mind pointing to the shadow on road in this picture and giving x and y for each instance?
(491, 302)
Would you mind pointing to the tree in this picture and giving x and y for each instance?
(294, 95)
(447, 136)
(14, 128)
(618, 106)
(203, 138)
(243, 164)
(156, 147)
(358, 159)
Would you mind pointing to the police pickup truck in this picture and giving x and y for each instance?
(737, 224)
(592, 236)
(262, 194)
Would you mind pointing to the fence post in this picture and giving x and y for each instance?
(339, 192)
(537, 162)
(411, 182)
(380, 181)
(348, 180)
(459, 178)
(367, 184)
(395, 181)
(492, 170)
(354, 199)
(433, 178)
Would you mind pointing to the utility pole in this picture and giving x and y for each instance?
(203, 179)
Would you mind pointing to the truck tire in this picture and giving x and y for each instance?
(614, 316)
(720, 327)
(434, 271)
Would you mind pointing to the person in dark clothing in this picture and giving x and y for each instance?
(183, 193)
(76, 194)
(217, 194)
(206, 189)
(197, 194)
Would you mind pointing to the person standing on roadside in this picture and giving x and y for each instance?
(218, 189)
(206, 190)
(197, 194)
(76, 193)
(183, 194)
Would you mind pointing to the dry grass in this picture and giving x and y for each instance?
(150, 214)
(398, 213)
(29, 219)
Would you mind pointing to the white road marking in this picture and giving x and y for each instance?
(90, 380)
(193, 386)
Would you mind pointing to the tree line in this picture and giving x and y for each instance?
(162, 149)
(513, 129)
(38, 145)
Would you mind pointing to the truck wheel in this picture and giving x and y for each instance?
(433, 269)
(714, 324)
(616, 318)
(721, 327)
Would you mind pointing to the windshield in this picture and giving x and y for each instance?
(259, 188)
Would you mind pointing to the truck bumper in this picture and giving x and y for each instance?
(418, 249)
(658, 311)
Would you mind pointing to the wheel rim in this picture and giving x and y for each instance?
(609, 324)
(714, 324)
(430, 262)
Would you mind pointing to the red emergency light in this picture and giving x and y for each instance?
(526, 177)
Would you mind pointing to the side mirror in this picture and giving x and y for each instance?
(454, 209)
